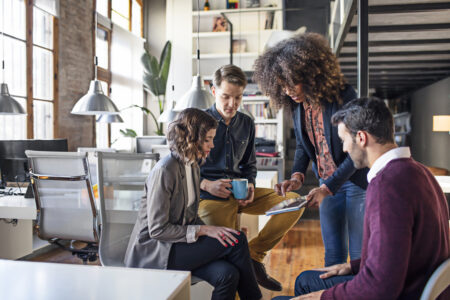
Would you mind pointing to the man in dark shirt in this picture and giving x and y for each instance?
(233, 156)
(406, 230)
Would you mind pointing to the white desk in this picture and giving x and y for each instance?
(444, 182)
(18, 240)
(20, 280)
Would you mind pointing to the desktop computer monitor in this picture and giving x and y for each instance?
(13, 161)
(144, 144)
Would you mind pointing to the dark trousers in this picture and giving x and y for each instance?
(309, 281)
(228, 269)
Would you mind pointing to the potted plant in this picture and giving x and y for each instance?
(155, 80)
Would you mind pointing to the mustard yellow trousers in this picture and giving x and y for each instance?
(224, 213)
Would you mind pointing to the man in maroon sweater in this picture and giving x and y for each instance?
(406, 228)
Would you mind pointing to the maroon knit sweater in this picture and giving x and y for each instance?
(406, 235)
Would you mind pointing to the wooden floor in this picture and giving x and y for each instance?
(301, 249)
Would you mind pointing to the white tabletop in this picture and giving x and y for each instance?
(17, 207)
(21, 280)
(444, 182)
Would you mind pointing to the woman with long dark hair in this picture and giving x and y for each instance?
(168, 233)
(303, 75)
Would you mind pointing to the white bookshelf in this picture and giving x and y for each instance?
(249, 25)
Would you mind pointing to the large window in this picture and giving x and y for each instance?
(29, 69)
(127, 14)
(119, 26)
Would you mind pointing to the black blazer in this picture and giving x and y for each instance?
(304, 151)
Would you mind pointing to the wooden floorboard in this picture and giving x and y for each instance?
(301, 249)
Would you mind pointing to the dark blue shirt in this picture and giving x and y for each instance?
(233, 155)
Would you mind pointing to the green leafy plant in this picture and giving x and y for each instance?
(155, 80)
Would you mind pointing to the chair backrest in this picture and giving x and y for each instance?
(63, 194)
(92, 159)
(438, 282)
(163, 150)
(144, 144)
(121, 180)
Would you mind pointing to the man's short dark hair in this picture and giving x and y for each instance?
(367, 114)
(231, 74)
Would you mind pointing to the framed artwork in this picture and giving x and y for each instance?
(220, 24)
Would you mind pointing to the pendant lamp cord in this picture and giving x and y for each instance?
(198, 37)
(95, 54)
(3, 41)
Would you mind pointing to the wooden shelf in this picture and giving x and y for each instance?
(266, 121)
(255, 98)
(227, 33)
(226, 55)
(217, 12)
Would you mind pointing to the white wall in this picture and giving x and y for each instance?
(428, 147)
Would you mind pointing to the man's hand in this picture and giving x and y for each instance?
(250, 196)
(316, 196)
(335, 270)
(287, 186)
(310, 296)
(217, 188)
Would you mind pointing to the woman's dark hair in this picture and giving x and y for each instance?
(306, 59)
(367, 114)
(187, 133)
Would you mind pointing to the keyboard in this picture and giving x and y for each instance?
(13, 191)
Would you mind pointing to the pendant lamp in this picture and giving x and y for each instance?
(197, 96)
(8, 105)
(169, 114)
(109, 119)
(95, 102)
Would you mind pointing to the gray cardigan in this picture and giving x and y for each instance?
(164, 216)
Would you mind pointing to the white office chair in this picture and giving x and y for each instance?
(64, 200)
(121, 179)
(438, 282)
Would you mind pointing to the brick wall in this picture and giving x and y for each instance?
(75, 70)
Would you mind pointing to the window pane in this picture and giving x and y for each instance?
(15, 66)
(101, 128)
(102, 7)
(15, 18)
(14, 127)
(42, 28)
(119, 20)
(43, 119)
(42, 73)
(101, 48)
(136, 18)
(122, 7)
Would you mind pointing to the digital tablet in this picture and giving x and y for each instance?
(287, 206)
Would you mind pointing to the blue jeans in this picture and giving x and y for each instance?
(309, 281)
(341, 221)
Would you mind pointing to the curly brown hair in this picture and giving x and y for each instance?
(187, 133)
(304, 59)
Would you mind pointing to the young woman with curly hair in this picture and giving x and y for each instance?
(303, 75)
(168, 233)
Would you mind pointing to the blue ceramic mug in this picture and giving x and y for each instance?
(239, 188)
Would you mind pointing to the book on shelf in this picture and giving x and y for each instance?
(260, 110)
(267, 154)
(269, 20)
(268, 131)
